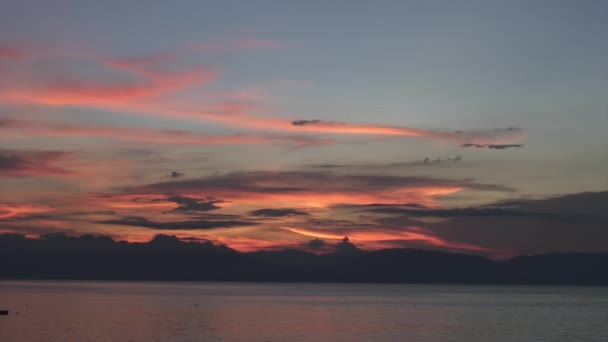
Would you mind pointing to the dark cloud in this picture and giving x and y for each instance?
(176, 225)
(94, 212)
(277, 212)
(193, 239)
(429, 161)
(31, 217)
(305, 122)
(337, 224)
(456, 212)
(16, 163)
(423, 162)
(472, 137)
(213, 216)
(584, 207)
(386, 206)
(174, 174)
(193, 204)
(584, 203)
(493, 146)
(569, 223)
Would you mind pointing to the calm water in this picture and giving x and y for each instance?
(130, 311)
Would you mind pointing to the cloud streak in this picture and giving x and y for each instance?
(151, 135)
(417, 163)
(78, 91)
(176, 225)
(283, 212)
(17, 210)
(143, 89)
(315, 189)
(188, 204)
(242, 119)
(493, 146)
(386, 238)
(15, 163)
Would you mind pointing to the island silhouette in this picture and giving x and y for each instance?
(167, 258)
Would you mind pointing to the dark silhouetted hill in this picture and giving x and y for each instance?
(58, 256)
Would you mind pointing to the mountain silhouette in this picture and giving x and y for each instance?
(165, 257)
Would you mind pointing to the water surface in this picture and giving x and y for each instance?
(165, 311)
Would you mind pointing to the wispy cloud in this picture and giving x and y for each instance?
(151, 135)
(16, 210)
(146, 89)
(188, 204)
(386, 238)
(416, 163)
(243, 119)
(114, 94)
(282, 212)
(316, 189)
(476, 136)
(493, 146)
(176, 225)
(174, 175)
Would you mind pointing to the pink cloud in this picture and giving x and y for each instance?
(16, 210)
(81, 92)
(151, 135)
(147, 92)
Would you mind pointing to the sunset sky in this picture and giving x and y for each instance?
(468, 126)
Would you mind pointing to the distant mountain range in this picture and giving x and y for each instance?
(58, 256)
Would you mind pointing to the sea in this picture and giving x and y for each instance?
(208, 311)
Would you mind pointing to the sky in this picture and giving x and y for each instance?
(468, 126)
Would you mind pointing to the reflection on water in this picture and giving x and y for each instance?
(162, 311)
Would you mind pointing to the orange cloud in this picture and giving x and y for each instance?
(240, 119)
(326, 198)
(315, 189)
(379, 238)
(15, 210)
(79, 92)
(329, 197)
(248, 244)
(239, 115)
